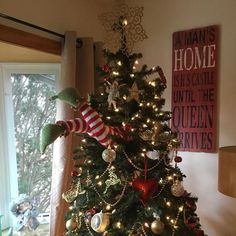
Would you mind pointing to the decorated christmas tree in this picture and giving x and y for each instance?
(126, 179)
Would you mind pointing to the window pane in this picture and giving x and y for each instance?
(32, 109)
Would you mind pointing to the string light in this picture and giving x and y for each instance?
(168, 203)
(118, 225)
(108, 207)
(146, 224)
(170, 178)
(152, 83)
(119, 63)
(115, 73)
(136, 62)
(132, 75)
(125, 22)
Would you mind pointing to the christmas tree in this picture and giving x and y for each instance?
(126, 179)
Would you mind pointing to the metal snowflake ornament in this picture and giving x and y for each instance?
(123, 27)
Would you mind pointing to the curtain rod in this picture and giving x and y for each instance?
(78, 40)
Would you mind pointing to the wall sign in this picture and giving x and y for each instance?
(194, 88)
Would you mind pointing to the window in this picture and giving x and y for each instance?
(24, 109)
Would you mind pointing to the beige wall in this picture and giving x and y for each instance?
(55, 15)
(58, 15)
(161, 19)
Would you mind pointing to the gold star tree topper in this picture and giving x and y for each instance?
(123, 27)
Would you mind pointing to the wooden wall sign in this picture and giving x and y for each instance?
(194, 88)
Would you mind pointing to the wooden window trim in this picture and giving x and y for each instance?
(29, 40)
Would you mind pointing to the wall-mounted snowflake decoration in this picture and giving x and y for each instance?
(123, 27)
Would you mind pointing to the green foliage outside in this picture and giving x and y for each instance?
(32, 110)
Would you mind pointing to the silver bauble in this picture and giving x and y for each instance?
(108, 155)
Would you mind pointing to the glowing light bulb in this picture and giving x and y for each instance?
(108, 117)
(146, 224)
(118, 225)
(125, 22)
(115, 73)
(168, 204)
(100, 183)
(131, 75)
(181, 208)
(108, 207)
(136, 62)
(119, 63)
(169, 177)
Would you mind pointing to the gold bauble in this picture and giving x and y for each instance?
(157, 226)
(177, 189)
(71, 224)
(100, 221)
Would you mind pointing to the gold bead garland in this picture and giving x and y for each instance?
(175, 222)
(141, 169)
(87, 226)
(99, 195)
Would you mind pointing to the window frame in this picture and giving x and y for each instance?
(8, 164)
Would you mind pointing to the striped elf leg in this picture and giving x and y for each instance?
(98, 129)
(92, 124)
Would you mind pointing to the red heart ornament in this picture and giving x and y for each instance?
(147, 187)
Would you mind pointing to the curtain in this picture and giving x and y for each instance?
(77, 70)
(62, 149)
